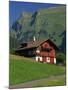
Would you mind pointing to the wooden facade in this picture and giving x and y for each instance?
(46, 52)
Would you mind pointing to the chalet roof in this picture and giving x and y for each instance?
(32, 44)
(35, 44)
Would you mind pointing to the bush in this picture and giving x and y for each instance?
(61, 59)
(12, 51)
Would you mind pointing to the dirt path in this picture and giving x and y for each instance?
(35, 83)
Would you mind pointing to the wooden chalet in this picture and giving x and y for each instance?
(43, 51)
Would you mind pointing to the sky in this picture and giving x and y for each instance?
(16, 8)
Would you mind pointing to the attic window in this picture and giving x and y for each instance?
(47, 49)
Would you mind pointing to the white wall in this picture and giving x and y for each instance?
(38, 57)
(54, 60)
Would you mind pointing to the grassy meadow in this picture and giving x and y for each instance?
(25, 69)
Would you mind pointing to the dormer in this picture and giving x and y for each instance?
(23, 45)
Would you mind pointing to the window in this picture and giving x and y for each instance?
(46, 49)
(48, 59)
(37, 51)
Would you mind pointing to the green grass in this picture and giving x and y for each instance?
(51, 82)
(24, 70)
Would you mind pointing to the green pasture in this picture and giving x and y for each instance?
(25, 69)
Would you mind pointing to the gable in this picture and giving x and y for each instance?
(49, 43)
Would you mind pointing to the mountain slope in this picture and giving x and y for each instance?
(44, 23)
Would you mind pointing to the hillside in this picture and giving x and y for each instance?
(44, 23)
(24, 69)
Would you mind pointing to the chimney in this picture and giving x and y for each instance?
(34, 39)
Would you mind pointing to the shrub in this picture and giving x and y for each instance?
(60, 57)
(12, 51)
